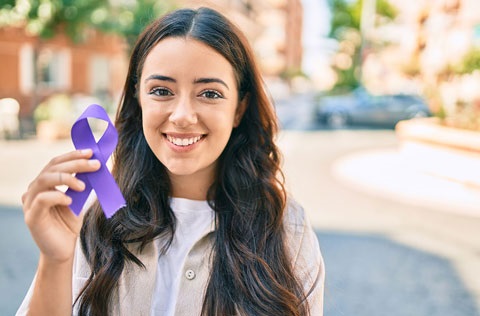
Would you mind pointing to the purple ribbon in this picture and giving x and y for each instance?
(102, 181)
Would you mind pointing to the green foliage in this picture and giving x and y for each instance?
(10, 3)
(470, 63)
(45, 17)
(291, 73)
(386, 10)
(343, 17)
(347, 15)
(57, 107)
(131, 22)
(347, 80)
(466, 115)
(346, 20)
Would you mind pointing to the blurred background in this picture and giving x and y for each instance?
(379, 107)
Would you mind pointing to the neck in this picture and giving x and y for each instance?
(193, 187)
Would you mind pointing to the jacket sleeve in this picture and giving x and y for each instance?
(23, 309)
(79, 277)
(307, 258)
(80, 271)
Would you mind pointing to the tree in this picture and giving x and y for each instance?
(47, 17)
(130, 21)
(346, 29)
(44, 18)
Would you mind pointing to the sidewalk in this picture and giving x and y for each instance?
(385, 172)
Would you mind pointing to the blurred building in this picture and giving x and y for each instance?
(423, 46)
(273, 27)
(34, 68)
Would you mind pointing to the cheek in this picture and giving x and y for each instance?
(152, 115)
(146, 120)
(223, 132)
(151, 129)
(220, 123)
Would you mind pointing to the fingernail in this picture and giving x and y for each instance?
(81, 184)
(94, 162)
(69, 200)
(85, 151)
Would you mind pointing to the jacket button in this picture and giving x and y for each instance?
(189, 274)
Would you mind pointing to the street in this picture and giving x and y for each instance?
(384, 255)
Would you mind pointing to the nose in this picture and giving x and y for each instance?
(183, 114)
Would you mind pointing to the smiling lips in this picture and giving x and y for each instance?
(183, 141)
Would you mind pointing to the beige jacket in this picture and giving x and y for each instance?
(136, 285)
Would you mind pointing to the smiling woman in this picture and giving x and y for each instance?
(208, 228)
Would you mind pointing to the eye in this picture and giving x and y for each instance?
(160, 92)
(211, 94)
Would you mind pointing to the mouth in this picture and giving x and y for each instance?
(183, 141)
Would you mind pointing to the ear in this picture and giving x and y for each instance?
(241, 107)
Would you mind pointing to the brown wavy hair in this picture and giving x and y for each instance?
(252, 272)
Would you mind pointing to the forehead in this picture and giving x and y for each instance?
(186, 58)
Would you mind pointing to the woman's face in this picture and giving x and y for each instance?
(189, 100)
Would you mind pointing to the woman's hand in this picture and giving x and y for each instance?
(53, 226)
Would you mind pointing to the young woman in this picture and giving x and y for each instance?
(208, 228)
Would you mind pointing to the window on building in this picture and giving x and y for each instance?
(53, 68)
(99, 75)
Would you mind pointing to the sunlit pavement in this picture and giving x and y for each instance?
(386, 172)
(389, 249)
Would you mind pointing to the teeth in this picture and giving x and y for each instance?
(183, 141)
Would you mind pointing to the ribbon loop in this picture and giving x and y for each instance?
(101, 181)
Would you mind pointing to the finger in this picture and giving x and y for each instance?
(61, 174)
(48, 181)
(42, 182)
(73, 155)
(49, 209)
(42, 203)
(72, 162)
(69, 180)
(76, 166)
(36, 190)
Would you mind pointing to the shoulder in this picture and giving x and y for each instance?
(300, 236)
(302, 243)
(294, 214)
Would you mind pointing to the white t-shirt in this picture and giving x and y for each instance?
(192, 219)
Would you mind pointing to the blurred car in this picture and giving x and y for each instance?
(362, 108)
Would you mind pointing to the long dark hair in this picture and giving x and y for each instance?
(252, 272)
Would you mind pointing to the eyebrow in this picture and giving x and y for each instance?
(209, 80)
(160, 77)
(196, 81)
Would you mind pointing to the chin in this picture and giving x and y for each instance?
(181, 171)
